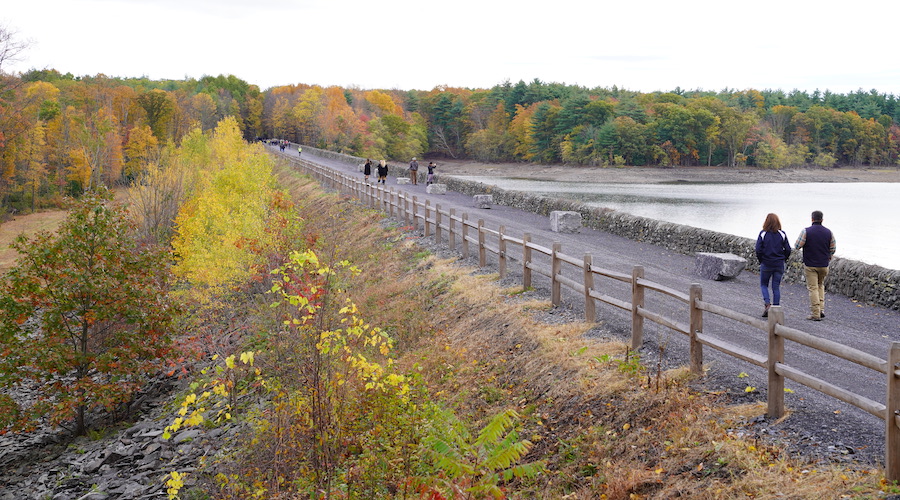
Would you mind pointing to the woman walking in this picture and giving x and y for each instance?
(382, 171)
(430, 178)
(367, 170)
(772, 250)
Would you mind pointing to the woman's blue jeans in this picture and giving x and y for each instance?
(771, 273)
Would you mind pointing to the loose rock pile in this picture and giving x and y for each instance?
(130, 464)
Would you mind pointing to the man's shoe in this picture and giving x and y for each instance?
(822, 314)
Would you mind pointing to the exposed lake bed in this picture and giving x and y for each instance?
(629, 175)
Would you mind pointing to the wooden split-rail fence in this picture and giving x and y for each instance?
(460, 230)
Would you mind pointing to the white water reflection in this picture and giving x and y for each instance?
(863, 215)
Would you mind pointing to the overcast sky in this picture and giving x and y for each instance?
(642, 45)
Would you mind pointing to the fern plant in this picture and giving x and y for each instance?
(475, 468)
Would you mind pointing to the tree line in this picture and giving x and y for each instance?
(62, 134)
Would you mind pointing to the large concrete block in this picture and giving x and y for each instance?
(719, 266)
(402, 180)
(565, 222)
(483, 200)
(436, 189)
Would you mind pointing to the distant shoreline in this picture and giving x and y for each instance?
(653, 175)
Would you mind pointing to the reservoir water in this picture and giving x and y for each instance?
(862, 215)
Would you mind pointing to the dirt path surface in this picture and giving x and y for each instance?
(817, 425)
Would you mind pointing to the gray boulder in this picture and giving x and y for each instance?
(483, 200)
(565, 222)
(719, 266)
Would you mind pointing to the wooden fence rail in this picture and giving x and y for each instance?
(497, 242)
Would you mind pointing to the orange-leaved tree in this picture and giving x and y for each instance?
(84, 317)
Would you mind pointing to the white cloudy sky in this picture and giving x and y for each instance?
(642, 45)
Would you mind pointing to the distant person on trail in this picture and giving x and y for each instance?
(430, 178)
(382, 171)
(414, 171)
(282, 145)
(367, 169)
(299, 150)
(818, 246)
(772, 250)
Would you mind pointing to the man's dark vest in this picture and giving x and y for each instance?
(817, 249)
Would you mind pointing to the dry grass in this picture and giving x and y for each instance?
(25, 224)
(605, 429)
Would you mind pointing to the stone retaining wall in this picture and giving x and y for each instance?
(353, 160)
(864, 282)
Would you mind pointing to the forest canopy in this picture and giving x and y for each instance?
(62, 134)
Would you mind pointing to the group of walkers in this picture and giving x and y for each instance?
(382, 170)
(282, 144)
(773, 249)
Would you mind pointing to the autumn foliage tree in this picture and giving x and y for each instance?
(232, 218)
(84, 317)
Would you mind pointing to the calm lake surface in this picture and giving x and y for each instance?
(862, 215)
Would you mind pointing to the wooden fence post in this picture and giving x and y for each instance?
(452, 224)
(590, 307)
(437, 223)
(405, 208)
(465, 235)
(502, 252)
(555, 268)
(526, 261)
(427, 215)
(482, 257)
(415, 220)
(776, 355)
(637, 302)
(391, 203)
(696, 320)
(892, 432)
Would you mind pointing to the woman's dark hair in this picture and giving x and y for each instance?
(772, 223)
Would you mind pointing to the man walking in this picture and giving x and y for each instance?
(818, 247)
(414, 171)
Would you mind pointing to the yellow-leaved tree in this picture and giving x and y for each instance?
(141, 149)
(222, 223)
